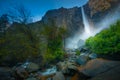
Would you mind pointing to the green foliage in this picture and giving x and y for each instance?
(22, 41)
(19, 42)
(54, 36)
(107, 41)
(77, 52)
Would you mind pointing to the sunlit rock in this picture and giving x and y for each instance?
(98, 66)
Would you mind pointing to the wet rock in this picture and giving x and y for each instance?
(32, 67)
(66, 66)
(49, 71)
(98, 66)
(83, 49)
(93, 56)
(59, 76)
(82, 59)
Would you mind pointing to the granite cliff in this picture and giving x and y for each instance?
(71, 18)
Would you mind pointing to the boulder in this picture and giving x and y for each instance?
(82, 59)
(66, 66)
(111, 74)
(83, 49)
(59, 76)
(32, 67)
(92, 56)
(20, 73)
(98, 66)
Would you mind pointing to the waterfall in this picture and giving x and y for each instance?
(87, 33)
(85, 21)
(75, 41)
(78, 37)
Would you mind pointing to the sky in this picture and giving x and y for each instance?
(38, 8)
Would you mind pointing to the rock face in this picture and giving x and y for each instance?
(100, 5)
(71, 19)
(98, 10)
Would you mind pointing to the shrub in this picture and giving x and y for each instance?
(107, 41)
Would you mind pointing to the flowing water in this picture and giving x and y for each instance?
(88, 31)
(50, 71)
(72, 43)
(85, 22)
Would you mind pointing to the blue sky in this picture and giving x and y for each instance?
(38, 8)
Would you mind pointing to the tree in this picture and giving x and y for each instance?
(20, 42)
(21, 14)
(4, 20)
(4, 24)
(54, 36)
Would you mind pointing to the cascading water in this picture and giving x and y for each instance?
(74, 41)
(85, 21)
(88, 29)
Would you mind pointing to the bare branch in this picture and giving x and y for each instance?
(20, 14)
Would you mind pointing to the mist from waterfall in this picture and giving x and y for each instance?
(111, 18)
(78, 36)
